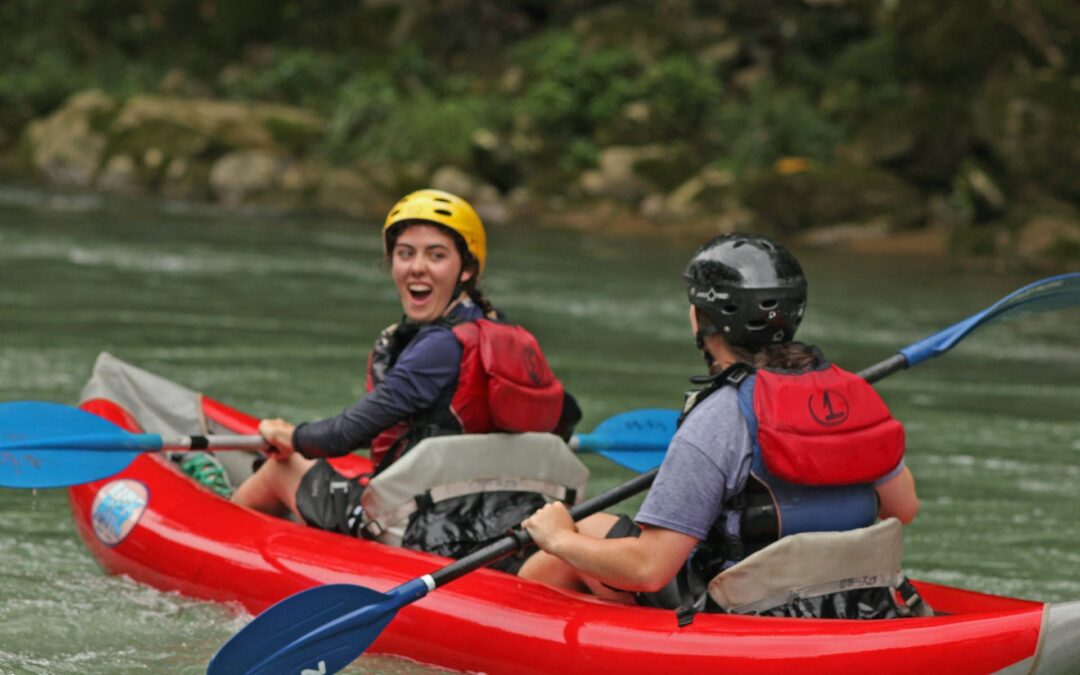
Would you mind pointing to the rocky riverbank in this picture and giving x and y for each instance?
(917, 125)
(243, 153)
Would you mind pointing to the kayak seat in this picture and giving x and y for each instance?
(452, 494)
(803, 574)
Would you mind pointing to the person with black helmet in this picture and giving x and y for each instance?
(425, 375)
(775, 442)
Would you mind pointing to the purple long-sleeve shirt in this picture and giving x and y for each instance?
(424, 376)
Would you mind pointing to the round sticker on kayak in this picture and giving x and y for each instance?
(117, 508)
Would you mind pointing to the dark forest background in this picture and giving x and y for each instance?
(955, 116)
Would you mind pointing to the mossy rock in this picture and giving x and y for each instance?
(1051, 240)
(670, 171)
(208, 128)
(68, 146)
(831, 195)
(295, 135)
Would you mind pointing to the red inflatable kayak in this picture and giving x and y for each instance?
(154, 524)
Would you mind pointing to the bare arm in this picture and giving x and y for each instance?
(898, 498)
(644, 563)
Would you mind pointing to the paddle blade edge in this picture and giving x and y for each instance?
(269, 643)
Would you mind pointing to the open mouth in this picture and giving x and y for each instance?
(419, 292)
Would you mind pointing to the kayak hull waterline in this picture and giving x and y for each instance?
(154, 524)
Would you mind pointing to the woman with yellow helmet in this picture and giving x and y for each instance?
(425, 376)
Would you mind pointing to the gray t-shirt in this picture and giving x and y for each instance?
(707, 463)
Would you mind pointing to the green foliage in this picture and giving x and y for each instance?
(364, 102)
(29, 87)
(917, 86)
(299, 76)
(772, 122)
(374, 121)
(863, 80)
(682, 92)
(580, 153)
(577, 91)
(571, 90)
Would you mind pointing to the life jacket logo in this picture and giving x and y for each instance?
(117, 508)
(828, 409)
(533, 366)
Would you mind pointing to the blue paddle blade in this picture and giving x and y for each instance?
(636, 460)
(637, 439)
(286, 637)
(1042, 296)
(29, 459)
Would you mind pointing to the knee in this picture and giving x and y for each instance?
(597, 525)
(547, 569)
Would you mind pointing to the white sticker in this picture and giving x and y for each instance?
(117, 508)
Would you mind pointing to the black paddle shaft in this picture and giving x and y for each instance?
(883, 369)
(518, 539)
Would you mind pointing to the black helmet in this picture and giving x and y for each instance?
(750, 287)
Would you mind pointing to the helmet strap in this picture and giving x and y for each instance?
(459, 288)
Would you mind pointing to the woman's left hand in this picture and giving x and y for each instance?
(548, 524)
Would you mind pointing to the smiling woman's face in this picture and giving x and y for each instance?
(425, 265)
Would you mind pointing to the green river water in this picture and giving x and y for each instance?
(274, 314)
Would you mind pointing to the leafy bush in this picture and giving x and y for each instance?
(374, 121)
(772, 122)
(297, 76)
(570, 90)
(682, 92)
(35, 86)
(864, 79)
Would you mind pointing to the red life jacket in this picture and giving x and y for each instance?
(824, 427)
(504, 384)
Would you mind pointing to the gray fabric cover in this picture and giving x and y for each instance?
(469, 463)
(160, 406)
(811, 564)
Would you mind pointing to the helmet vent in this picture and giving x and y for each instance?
(395, 212)
(729, 309)
(443, 212)
(444, 200)
(769, 305)
(756, 325)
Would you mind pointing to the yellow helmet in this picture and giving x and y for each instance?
(442, 208)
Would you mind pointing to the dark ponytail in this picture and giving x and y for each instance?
(794, 356)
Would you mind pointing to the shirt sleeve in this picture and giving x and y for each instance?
(424, 375)
(707, 462)
(892, 474)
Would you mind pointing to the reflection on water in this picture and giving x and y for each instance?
(275, 313)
